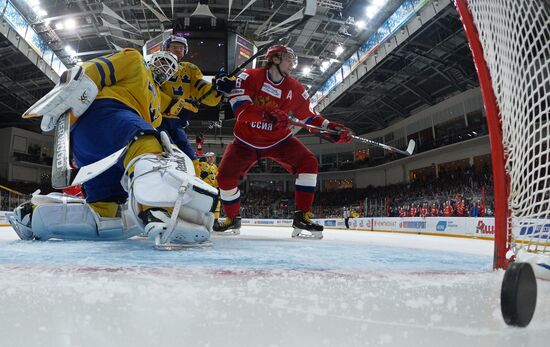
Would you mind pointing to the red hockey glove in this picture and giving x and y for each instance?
(343, 137)
(279, 118)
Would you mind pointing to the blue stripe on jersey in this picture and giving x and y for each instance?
(310, 119)
(238, 104)
(231, 202)
(111, 69)
(101, 73)
(305, 189)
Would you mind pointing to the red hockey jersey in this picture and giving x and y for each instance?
(254, 94)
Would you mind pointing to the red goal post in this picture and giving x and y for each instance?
(510, 44)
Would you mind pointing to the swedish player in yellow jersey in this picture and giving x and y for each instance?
(209, 174)
(179, 92)
(115, 102)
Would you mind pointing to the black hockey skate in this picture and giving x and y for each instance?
(231, 226)
(305, 228)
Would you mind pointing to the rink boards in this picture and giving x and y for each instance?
(452, 226)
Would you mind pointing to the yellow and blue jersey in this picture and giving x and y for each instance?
(124, 77)
(212, 170)
(187, 83)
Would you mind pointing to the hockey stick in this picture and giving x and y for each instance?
(63, 175)
(407, 152)
(308, 12)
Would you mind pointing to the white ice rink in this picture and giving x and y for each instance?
(259, 289)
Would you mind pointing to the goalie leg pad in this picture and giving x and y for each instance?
(76, 222)
(166, 181)
(20, 220)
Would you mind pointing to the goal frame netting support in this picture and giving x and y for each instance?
(503, 231)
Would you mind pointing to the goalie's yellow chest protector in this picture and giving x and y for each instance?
(123, 76)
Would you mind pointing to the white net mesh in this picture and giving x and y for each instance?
(515, 36)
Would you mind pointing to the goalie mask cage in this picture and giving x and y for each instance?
(510, 43)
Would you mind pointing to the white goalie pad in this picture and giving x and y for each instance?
(158, 179)
(75, 92)
(58, 216)
(168, 181)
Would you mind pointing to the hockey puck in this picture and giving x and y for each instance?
(518, 295)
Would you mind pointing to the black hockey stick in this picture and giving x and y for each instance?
(407, 152)
(309, 12)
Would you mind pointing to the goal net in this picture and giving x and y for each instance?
(510, 41)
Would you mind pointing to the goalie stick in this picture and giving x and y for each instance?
(308, 12)
(407, 152)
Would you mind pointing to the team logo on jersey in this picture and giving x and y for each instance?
(269, 89)
(236, 92)
(243, 76)
(305, 95)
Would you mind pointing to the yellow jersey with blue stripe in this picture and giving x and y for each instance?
(123, 76)
(212, 171)
(187, 83)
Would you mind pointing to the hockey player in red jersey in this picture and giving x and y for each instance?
(262, 100)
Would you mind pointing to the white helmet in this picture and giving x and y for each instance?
(175, 39)
(210, 154)
(163, 65)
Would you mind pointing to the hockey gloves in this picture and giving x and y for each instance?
(344, 135)
(279, 118)
(179, 105)
(223, 83)
(204, 174)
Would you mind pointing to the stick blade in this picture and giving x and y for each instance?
(92, 170)
(410, 148)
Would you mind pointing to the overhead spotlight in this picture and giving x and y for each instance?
(360, 24)
(306, 70)
(339, 50)
(70, 24)
(42, 13)
(371, 11)
(325, 65)
(59, 26)
(33, 3)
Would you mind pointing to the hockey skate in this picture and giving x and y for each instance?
(184, 235)
(231, 226)
(305, 228)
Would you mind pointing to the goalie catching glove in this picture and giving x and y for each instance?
(75, 92)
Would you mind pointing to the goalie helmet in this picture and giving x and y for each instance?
(175, 39)
(163, 66)
(279, 51)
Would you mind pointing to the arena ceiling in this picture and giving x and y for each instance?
(432, 65)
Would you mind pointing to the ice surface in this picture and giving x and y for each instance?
(259, 289)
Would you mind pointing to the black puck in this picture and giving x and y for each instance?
(518, 295)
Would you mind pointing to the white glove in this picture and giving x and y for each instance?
(75, 91)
